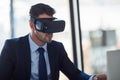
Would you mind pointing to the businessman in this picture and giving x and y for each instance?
(36, 56)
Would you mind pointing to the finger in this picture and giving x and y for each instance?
(105, 77)
(102, 77)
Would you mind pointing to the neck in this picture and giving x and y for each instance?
(36, 40)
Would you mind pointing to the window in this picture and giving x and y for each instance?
(4, 22)
(100, 32)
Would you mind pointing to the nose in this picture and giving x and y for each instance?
(50, 33)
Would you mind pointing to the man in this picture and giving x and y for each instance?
(20, 58)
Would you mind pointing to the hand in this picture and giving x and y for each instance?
(100, 77)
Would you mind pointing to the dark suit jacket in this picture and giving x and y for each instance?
(15, 61)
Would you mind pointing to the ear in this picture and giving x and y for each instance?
(32, 25)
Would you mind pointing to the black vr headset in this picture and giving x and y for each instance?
(49, 25)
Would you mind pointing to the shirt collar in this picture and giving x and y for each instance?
(34, 46)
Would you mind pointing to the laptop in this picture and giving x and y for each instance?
(113, 64)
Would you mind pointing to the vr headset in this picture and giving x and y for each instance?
(49, 25)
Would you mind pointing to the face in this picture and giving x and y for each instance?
(40, 38)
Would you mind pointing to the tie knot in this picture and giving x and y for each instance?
(41, 50)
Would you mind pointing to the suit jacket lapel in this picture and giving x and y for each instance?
(26, 54)
(51, 58)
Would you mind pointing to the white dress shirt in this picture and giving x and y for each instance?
(35, 58)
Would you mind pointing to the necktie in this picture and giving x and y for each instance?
(42, 65)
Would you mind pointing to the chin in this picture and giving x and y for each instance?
(49, 41)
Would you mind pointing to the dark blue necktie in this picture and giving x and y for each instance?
(42, 65)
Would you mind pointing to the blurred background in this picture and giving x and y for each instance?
(92, 28)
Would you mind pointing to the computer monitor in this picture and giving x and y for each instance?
(113, 64)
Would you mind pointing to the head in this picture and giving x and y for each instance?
(40, 11)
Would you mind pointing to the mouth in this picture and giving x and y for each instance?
(49, 34)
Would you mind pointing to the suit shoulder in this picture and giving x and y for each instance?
(14, 40)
